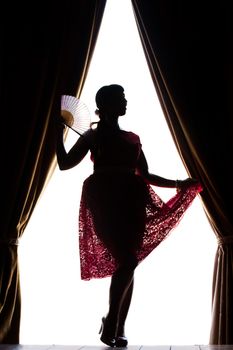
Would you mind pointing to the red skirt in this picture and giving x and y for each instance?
(121, 217)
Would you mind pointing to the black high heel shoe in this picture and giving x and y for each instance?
(121, 341)
(106, 338)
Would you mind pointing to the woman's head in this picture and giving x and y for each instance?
(110, 100)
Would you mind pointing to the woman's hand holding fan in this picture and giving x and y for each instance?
(75, 114)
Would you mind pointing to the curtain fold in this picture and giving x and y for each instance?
(46, 50)
(188, 47)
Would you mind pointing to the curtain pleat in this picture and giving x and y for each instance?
(46, 49)
(188, 47)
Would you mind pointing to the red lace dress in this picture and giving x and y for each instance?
(120, 215)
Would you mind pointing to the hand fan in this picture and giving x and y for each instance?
(75, 114)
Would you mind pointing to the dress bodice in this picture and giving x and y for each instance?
(119, 148)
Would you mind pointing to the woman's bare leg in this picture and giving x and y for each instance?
(124, 310)
(120, 294)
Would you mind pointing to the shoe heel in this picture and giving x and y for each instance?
(102, 325)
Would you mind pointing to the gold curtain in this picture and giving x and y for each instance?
(188, 47)
(46, 49)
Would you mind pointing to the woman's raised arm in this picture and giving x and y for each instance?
(67, 160)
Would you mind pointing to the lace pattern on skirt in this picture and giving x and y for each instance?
(161, 218)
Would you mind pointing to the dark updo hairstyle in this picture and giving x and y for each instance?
(106, 95)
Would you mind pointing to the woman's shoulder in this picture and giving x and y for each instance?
(132, 136)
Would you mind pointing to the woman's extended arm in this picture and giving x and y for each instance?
(67, 160)
(142, 170)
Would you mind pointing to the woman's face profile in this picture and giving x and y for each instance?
(118, 104)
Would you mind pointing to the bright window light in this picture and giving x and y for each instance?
(172, 298)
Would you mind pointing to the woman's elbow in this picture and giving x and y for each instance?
(62, 165)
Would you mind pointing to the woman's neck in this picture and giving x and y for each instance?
(111, 122)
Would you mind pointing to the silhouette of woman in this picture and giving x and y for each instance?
(121, 218)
